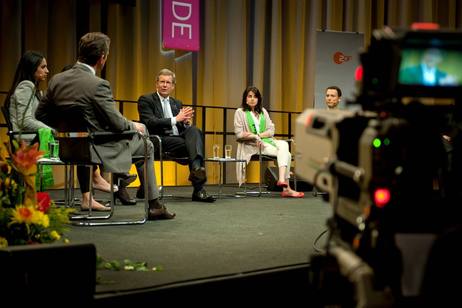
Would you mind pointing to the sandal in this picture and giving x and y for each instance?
(296, 194)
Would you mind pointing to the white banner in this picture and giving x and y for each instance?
(337, 57)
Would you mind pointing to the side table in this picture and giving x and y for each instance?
(222, 161)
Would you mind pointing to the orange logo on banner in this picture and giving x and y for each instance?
(340, 58)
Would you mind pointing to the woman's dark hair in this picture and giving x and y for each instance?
(25, 70)
(258, 107)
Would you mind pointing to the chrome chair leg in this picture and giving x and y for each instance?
(146, 201)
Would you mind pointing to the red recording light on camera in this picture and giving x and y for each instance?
(381, 197)
(359, 73)
(425, 26)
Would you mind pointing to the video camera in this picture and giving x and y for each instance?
(394, 66)
(392, 171)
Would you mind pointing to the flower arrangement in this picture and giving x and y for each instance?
(27, 216)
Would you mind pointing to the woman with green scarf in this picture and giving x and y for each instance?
(254, 129)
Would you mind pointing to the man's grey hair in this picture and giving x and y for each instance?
(166, 72)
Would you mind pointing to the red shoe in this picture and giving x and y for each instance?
(282, 184)
(296, 194)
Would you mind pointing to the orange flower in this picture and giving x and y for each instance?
(25, 158)
(24, 213)
(28, 215)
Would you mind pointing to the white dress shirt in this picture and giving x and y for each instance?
(168, 113)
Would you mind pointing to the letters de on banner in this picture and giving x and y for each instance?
(181, 24)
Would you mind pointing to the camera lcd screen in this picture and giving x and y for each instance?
(430, 65)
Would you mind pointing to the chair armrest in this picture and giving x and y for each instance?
(158, 144)
(102, 137)
(98, 136)
(156, 137)
(126, 133)
(15, 133)
(166, 155)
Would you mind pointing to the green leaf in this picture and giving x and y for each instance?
(126, 265)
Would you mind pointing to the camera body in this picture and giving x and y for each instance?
(392, 171)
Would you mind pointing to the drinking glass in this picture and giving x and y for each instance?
(228, 150)
(216, 151)
(53, 148)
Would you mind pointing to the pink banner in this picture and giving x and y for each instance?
(181, 24)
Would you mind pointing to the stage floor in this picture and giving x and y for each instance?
(233, 236)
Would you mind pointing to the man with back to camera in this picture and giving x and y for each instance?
(165, 116)
(80, 87)
(333, 97)
(122, 179)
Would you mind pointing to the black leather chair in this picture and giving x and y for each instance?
(165, 156)
(76, 144)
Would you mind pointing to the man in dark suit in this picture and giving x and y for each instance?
(165, 116)
(80, 87)
(427, 73)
